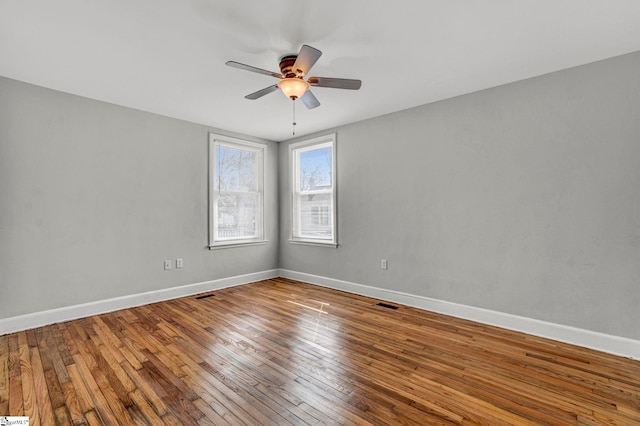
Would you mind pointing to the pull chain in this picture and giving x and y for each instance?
(294, 117)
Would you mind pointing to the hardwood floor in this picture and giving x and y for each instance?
(284, 352)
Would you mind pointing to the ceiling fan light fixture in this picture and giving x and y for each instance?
(293, 87)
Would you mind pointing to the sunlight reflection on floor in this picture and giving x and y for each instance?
(320, 310)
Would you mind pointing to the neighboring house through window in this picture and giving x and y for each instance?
(313, 174)
(236, 191)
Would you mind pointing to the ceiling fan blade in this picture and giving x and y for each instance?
(261, 93)
(336, 83)
(307, 57)
(309, 100)
(245, 67)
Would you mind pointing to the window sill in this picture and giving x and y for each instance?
(219, 246)
(314, 243)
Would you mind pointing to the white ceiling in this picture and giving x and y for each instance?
(168, 56)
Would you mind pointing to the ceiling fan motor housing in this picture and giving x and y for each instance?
(286, 66)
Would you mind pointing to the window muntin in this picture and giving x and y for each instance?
(236, 191)
(313, 188)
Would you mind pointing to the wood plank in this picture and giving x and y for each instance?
(62, 416)
(77, 396)
(93, 418)
(53, 354)
(16, 403)
(71, 403)
(4, 375)
(29, 397)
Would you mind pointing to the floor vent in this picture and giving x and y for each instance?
(385, 305)
(204, 296)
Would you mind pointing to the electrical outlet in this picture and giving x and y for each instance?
(178, 263)
(167, 265)
(383, 264)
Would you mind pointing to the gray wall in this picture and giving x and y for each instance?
(93, 198)
(523, 199)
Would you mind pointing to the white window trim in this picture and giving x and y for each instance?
(235, 142)
(314, 143)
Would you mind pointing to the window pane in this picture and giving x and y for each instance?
(315, 215)
(236, 169)
(237, 215)
(315, 169)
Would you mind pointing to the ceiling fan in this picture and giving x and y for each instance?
(293, 68)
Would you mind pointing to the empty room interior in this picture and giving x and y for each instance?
(339, 212)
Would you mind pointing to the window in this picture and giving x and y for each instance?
(236, 191)
(313, 175)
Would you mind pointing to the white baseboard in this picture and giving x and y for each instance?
(615, 345)
(38, 319)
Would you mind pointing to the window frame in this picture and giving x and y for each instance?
(260, 150)
(295, 149)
